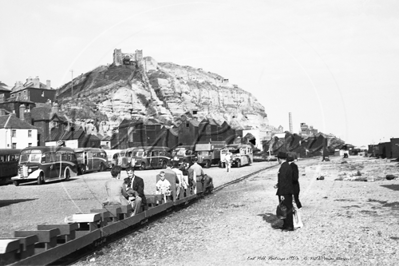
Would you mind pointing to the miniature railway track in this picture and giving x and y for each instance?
(104, 238)
(73, 258)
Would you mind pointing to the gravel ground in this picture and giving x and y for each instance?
(345, 223)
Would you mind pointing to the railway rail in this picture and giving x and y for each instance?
(63, 244)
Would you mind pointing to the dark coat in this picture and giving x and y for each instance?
(138, 185)
(295, 178)
(284, 181)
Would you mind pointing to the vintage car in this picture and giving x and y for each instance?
(150, 157)
(183, 154)
(241, 154)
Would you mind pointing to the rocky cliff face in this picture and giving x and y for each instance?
(108, 94)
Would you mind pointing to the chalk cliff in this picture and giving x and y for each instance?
(145, 88)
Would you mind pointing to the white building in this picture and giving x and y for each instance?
(15, 133)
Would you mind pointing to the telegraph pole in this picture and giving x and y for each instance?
(72, 81)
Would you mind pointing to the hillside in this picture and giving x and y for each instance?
(108, 94)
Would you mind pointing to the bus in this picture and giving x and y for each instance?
(91, 159)
(8, 164)
(46, 163)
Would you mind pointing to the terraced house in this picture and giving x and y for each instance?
(16, 134)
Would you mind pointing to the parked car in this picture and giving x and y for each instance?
(150, 157)
(270, 158)
(183, 154)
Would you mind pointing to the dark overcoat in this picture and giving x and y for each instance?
(284, 181)
(295, 178)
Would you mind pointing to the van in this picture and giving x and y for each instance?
(242, 154)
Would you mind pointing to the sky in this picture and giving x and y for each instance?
(332, 64)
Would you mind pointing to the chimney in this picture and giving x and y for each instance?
(36, 83)
(22, 109)
(290, 122)
(48, 84)
(54, 108)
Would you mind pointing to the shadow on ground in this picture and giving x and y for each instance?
(272, 219)
(393, 187)
(4, 203)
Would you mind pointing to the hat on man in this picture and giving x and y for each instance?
(291, 156)
(281, 155)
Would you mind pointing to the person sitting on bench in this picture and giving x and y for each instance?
(116, 189)
(163, 186)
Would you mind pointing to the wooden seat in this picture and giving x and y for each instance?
(27, 246)
(67, 231)
(9, 249)
(87, 222)
(46, 238)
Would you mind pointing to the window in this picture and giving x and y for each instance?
(29, 135)
(13, 133)
(14, 145)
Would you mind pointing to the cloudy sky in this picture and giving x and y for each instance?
(332, 64)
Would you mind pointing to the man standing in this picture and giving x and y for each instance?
(295, 178)
(227, 160)
(285, 189)
(136, 184)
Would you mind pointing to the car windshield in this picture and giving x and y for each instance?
(33, 156)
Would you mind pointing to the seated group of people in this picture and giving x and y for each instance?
(130, 191)
(186, 178)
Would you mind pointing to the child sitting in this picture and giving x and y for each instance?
(163, 185)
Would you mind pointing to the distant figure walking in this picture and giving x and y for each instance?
(227, 161)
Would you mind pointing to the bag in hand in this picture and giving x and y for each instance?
(281, 211)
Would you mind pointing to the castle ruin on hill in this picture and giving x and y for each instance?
(120, 58)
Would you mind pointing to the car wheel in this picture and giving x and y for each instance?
(16, 183)
(83, 169)
(40, 179)
(142, 166)
(67, 175)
